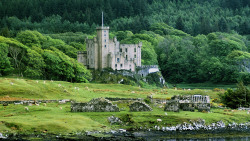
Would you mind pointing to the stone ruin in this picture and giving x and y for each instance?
(188, 103)
(139, 107)
(95, 105)
(172, 105)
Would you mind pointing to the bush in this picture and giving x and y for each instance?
(236, 98)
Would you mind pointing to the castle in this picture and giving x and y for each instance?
(103, 52)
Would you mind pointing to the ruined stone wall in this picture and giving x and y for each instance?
(172, 105)
(139, 107)
(95, 105)
(188, 103)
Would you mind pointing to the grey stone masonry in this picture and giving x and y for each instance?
(203, 107)
(187, 107)
(188, 103)
(95, 105)
(172, 106)
(139, 107)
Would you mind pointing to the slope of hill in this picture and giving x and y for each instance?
(56, 118)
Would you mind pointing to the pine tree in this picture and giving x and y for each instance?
(179, 23)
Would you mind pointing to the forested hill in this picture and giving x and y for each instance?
(191, 16)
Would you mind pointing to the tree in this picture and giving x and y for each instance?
(236, 98)
(223, 27)
(5, 32)
(17, 55)
(5, 66)
(179, 24)
(35, 64)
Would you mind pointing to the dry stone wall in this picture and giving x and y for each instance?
(139, 106)
(95, 105)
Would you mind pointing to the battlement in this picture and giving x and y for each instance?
(103, 28)
(147, 66)
(82, 52)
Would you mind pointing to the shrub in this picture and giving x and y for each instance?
(236, 98)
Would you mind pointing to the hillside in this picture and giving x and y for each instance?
(57, 118)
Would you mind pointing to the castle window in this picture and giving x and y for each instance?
(134, 49)
(126, 49)
(105, 40)
(105, 46)
(121, 65)
(120, 49)
(118, 60)
(104, 30)
(115, 65)
(104, 34)
(134, 56)
(126, 57)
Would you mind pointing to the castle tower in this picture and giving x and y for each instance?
(103, 46)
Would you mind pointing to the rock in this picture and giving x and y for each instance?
(5, 104)
(114, 120)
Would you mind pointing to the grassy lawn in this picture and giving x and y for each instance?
(57, 118)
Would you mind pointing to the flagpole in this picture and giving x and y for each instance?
(102, 19)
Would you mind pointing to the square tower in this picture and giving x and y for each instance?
(103, 46)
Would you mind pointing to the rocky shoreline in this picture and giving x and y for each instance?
(195, 129)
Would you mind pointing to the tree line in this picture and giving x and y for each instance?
(193, 17)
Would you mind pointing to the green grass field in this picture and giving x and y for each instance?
(57, 118)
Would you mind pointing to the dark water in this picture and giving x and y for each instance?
(138, 136)
(132, 139)
(203, 139)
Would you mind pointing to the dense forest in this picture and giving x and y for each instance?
(191, 40)
(191, 16)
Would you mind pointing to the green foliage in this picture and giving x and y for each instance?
(217, 57)
(31, 38)
(5, 65)
(154, 79)
(37, 56)
(59, 16)
(147, 100)
(36, 64)
(5, 32)
(236, 98)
